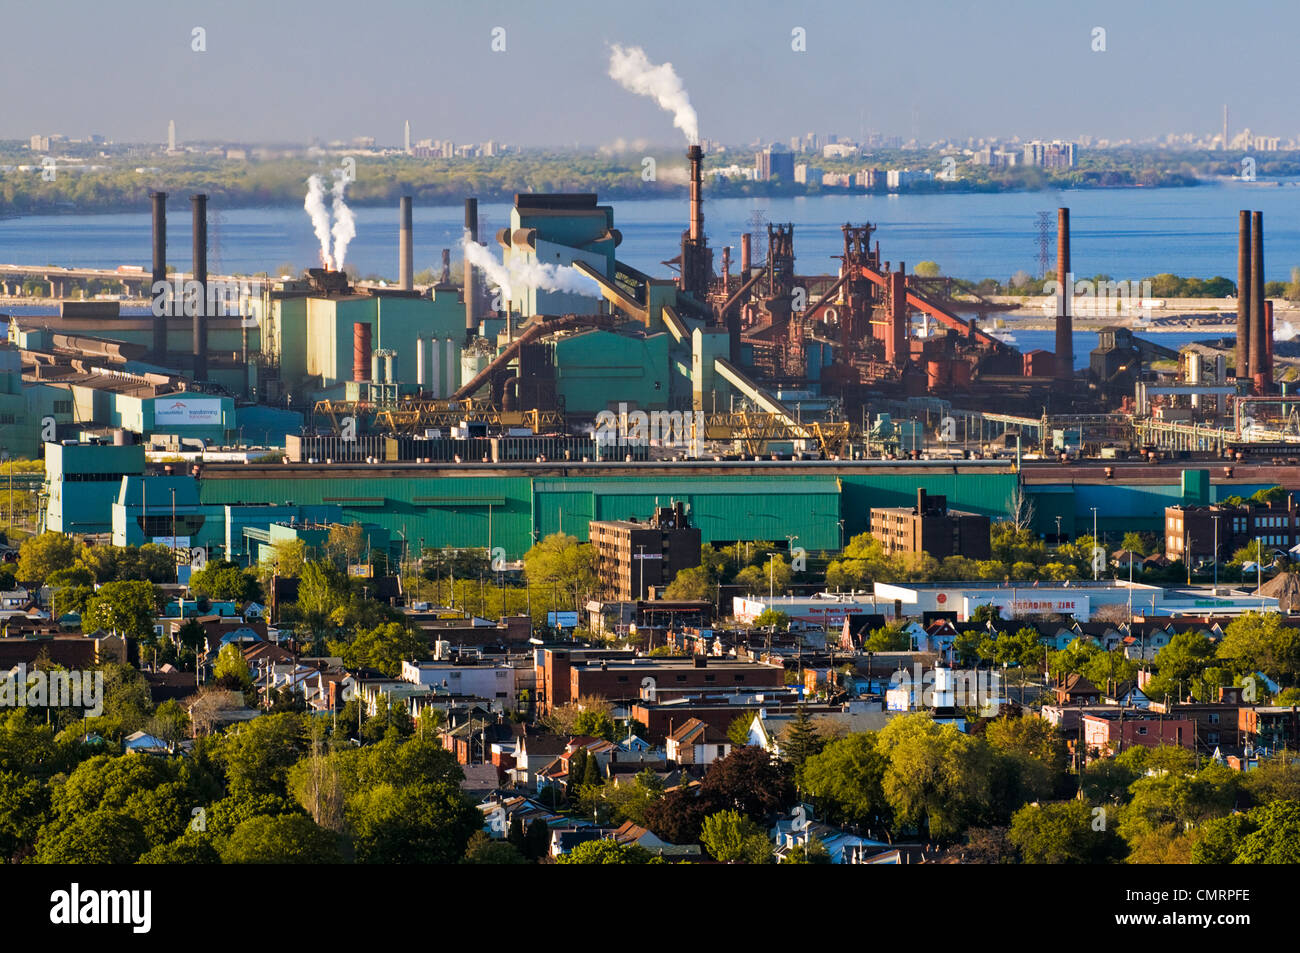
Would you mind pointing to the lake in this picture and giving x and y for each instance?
(1125, 233)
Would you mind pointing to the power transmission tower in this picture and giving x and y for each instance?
(1044, 242)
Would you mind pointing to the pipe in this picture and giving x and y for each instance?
(1242, 352)
(360, 350)
(471, 298)
(200, 327)
(159, 200)
(405, 254)
(1257, 298)
(1064, 322)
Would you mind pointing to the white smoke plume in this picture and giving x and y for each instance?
(345, 225)
(522, 274)
(632, 70)
(1284, 331)
(320, 217)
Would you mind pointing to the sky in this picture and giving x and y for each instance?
(287, 71)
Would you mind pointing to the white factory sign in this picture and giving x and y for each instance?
(186, 411)
(1030, 602)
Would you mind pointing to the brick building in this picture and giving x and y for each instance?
(1193, 530)
(632, 557)
(930, 527)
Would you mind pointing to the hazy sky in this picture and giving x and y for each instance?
(289, 71)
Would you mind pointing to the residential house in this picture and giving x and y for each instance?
(697, 742)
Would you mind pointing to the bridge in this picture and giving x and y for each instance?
(134, 281)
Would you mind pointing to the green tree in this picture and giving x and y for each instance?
(814, 852)
(748, 780)
(846, 780)
(1064, 832)
(103, 836)
(482, 849)
(609, 852)
(412, 823)
(538, 839)
(231, 669)
(799, 741)
(693, 584)
(738, 730)
(384, 647)
(1219, 839)
(778, 620)
(1276, 839)
(283, 839)
(938, 779)
(1135, 542)
(1033, 747)
(225, 580)
(41, 555)
(1179, 665)
(1262, 642)
(731, 837)
(560, 561)
(127, 608)
(891, 638)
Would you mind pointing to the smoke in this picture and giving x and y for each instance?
(522, 274)
(1285, 331)
(344, 227)
(632, 70)
(320, 217)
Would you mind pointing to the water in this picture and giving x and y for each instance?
(1125, 233)
(1086, 341)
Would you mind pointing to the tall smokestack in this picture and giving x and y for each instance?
(1257, 300)
(1268, 345)
(1243, 294)
(159, 200)
(405, 254)
(200, 203)
(744, 257)
(695, 155)
(360, 351)
(471, 299)
(1064, 323)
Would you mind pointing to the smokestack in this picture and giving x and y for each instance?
(1257, 299)
(1064, 323)
(744, 257)
(726, 271)
(405, 255)
(695, 155)
(1268, 344)
(360, 350)
(159, 200)
(471, 299)
(1243, 294)
(200, 204)
(896, 348)
(446, 267)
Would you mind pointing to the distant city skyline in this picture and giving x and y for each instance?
(296, 73)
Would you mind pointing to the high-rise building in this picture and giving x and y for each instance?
(773, 164)
(1057, 154)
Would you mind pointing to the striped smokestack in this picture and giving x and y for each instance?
(200, 208)
(405, 254)
(159, 200)
(1243, 294)
(1064, 282)
(1257, 300)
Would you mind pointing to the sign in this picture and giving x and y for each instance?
(187, 412)
(174, 542)
(562, 620)
(1027, 602)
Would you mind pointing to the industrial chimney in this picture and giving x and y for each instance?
(405, 253)
(200, 208)
(1257, 318)
(471, 298)
(1064, 289)
(159, 200)
(1243, 295)
(697, 262)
